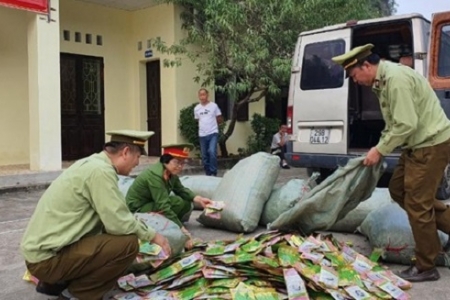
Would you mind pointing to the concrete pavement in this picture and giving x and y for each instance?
(14, 180)
(17, 207)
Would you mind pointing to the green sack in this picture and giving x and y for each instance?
(244, 189)
(380, 197)
(333, 199)
(165, 227)
(285, 197)
(124, 184)
(388, 228)
(202, 185)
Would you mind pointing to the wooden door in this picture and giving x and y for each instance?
(154, 107)
(82, 106)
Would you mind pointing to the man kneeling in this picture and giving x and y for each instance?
(82, 236)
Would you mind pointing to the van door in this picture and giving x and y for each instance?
(439, 77)
(439, 69)
(321, 92)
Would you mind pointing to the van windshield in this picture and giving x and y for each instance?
(444, 53)
(318, 70)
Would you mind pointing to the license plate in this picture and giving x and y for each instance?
(319, 136)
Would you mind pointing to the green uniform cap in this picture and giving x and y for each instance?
(134, 137)
(352, 57)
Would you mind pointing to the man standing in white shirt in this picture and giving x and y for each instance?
(278, 146)
(209, 117)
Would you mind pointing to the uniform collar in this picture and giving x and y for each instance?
(103, 156)
(380, 78)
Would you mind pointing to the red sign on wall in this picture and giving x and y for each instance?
(40, 6)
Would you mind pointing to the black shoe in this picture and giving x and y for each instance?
(412, 274)
(285, 167)
(51, 289)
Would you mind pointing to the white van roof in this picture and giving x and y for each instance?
(367, 21)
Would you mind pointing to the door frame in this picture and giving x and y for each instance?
(155, 139)
(438, 22)
(79, 102)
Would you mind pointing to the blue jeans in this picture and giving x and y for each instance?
(208, 147)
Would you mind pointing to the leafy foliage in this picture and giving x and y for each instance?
(249, 44)
(188, 125)
(385, 7)
(263, 130)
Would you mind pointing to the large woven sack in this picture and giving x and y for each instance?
(388, 228)
(244, 189)
(202, 185)
(165, 227)
(331, 200)
(284, 198)
(124, 184)
(380, 197)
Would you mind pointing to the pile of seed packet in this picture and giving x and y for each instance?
(272, 265)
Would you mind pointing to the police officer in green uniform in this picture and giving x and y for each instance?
(416, 122)
(82, 237)
(151, 190)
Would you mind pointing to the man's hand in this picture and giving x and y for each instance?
(372, 157)
(162, 242)
(189, 243)
(202, 201)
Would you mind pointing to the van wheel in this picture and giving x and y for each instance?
(324, 173)
(443, 192)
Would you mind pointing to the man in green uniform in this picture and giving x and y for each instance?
(82, 235)
(416, 122)
(152, 189)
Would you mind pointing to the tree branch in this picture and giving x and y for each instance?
(262, 95)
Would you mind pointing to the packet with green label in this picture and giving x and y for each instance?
(263, 262)
(288, 256)
(176, 267)
(348, 276)
(265, 293)
(252, 246)
(242, 292)
(192, 291)
(376, 254)
(227, 283)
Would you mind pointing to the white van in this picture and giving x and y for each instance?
(331, 119)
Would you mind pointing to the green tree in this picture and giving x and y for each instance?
(385, 7)
(248, 44)
(263, 130)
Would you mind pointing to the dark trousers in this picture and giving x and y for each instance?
(208, 147)
(279, 151)
(413, 186)
(91, 266)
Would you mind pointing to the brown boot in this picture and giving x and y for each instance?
(412, 274)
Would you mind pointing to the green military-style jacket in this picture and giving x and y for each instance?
(412, 112)
(84, 200)
(150, 186)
